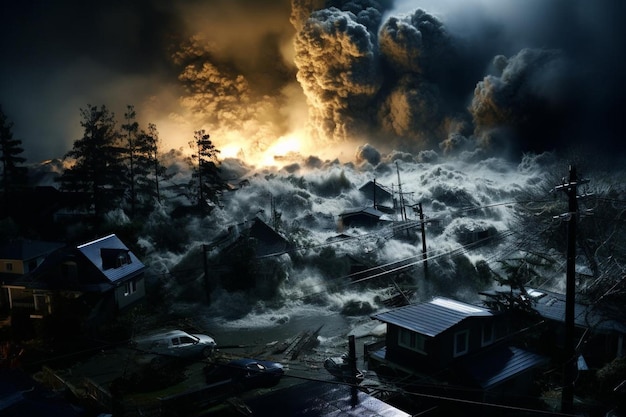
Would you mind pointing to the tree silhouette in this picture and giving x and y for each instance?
(206, 173)
(149, 161)
(14, 174)
(97, 173)
(130, 131)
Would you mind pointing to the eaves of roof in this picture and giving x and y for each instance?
(433, 317)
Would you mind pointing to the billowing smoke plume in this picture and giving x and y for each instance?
(507, 74)
(526, 95)
(339, 68)
(369, 80)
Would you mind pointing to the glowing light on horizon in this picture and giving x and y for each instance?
(290, 144)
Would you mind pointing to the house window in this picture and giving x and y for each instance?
(411, 340)
(488, 334)
(9, 266)
(130, 287)
(40, 302)
(122, 259)
(461, 343)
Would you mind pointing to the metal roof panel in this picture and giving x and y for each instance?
(91, 251)
(433, 317)
(495, 366)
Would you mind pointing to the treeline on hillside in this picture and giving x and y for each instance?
(112, 166)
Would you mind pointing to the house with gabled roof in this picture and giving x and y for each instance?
(363, 217)
(22, 256)
(377, 193)
(453, 343)
(600, 327)
(18, 258)
(90, 283)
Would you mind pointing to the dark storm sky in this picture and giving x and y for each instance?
(59, 56)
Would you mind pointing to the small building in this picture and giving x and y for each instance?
(266, 240)
(455, 344)
(247, 258)
(20, 257)
(88, 283)
(601, 327)
(365, 217)
(429, 336)
(377, 193)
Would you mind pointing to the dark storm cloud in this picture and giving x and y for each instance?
(527, 94)
(369, 80)
(60, 56)
(444, 74)
(560, 81)
(338, 67)
(502, 75)
(368, 153)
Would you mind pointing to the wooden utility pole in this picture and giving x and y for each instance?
(424, 255)
(374, 182)
(353, 370)
(402, 209)
(569, 354)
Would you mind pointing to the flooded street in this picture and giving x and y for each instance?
(331, 340)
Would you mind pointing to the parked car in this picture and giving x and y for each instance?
(246, 373)
(176, 343)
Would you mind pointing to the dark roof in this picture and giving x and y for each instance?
(551, 305)
(433, 317)
(314, 398)
(20, 395)
(368, 211)
(92, 251)
(381, 193)
(495, 366)
(270, 241)
(27, 249)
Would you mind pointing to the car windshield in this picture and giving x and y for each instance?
(189, 339)
(185, 340)
(256, 367)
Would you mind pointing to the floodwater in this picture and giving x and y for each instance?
(332, 338)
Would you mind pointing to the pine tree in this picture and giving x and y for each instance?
(98, 170)
(14, 174)
(206, 171)
(148, 166)
(130, 131)
(142, 160)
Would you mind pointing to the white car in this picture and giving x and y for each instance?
(176, 343)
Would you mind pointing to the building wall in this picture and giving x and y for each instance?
(36, 303)
(12, 266)
(409, 358)
(440, 350)
(130, 292)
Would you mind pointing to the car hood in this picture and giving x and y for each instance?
(272, 365)
(205, 340)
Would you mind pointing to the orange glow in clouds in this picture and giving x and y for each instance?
(282, 148)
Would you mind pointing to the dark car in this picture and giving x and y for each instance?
(246, 373)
